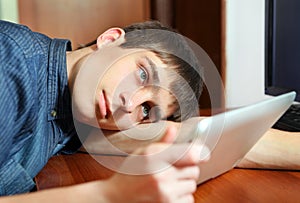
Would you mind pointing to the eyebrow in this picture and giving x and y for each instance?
(154, 72)
(156, 112)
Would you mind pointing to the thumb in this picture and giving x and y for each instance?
(170, 135)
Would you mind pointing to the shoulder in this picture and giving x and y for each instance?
(17, 46)
(18, 79)
(21, 40)
(20, 57)
(22, 53)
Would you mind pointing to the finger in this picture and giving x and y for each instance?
(192, 155)
(166, 141)
(178, 155)
(186, 199)
(191, 172)
(184, 188)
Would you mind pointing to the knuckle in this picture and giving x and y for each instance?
(191, 157)
(160, 191)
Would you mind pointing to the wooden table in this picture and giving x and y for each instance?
(237, 185)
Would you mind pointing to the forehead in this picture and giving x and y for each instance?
(162, 95)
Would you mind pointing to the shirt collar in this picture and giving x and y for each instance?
(59, 99)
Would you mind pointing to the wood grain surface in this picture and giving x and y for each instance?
(237, 185)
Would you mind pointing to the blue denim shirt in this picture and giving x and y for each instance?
(35, 106)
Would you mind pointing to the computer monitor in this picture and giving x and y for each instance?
(282, 47)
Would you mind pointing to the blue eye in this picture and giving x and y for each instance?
(145, 111)
(143, 74)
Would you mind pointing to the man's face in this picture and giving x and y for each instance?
(117, 88)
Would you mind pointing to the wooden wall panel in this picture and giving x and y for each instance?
(200, 20)
(204, 22)
(81, 21)
(164, 11)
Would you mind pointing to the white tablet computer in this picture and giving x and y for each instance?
(232, 134)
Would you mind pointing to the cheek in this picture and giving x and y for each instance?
(123, 120)
(121, 85)
(110, 80)
(120, 69)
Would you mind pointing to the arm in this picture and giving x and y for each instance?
(157, 176)
(275, 150)
(108, 142)
(101, 141)
(87, 192)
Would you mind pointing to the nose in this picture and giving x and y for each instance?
(130, 100)
(126, 101)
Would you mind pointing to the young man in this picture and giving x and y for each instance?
(121, 81)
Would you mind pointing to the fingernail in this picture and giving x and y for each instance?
(200, 153)
(204, 153)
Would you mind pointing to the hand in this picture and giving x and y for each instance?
(275, 150)
(162, 172)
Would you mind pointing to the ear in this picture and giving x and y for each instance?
(109, 36)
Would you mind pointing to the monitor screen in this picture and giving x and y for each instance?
(282, 47)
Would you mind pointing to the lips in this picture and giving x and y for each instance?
(103, 105)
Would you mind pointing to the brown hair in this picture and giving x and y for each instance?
(173, 49)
